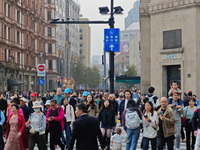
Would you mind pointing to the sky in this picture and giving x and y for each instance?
(90, 9)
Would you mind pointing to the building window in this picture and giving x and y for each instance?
(8, 33)
(5, 9)
(27, 20)
(81, 59)
(81, 52)
(50, 64)
(8, 11)
(81, 45)
(5, 55)
(49, 1)
(172, 39)
(49, 31)
(81, 30)
(49, 15)
(18, 58)
(18, 16)
(49, 48)
(5, 32)
(18, 38)
(40, 10)
(81, 37)
(50, 85)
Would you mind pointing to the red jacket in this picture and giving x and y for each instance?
(21, 126)
(60, 117)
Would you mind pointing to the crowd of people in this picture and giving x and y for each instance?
(61, 117)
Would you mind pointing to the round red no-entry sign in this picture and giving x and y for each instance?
(41, 67)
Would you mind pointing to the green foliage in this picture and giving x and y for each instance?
(132, 71)
(86, 75)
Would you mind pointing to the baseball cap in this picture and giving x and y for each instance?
(85, 93)
(67, 91)
(23, 99)
(121, 94)
(33, 94)
(48, 102)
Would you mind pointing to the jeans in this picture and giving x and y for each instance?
(146, 143)
(133, 136)
(169, 140)
(67, 132)
(178, 134)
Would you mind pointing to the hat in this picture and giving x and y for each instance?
(85, 93)
(121, 94)
(48, 102)
(64, 85)
(67, 91)
(33, 94)
(23, 99)
(16, 100)
(37, 105)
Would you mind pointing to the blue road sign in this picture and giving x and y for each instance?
(41, 82)
(111, 40)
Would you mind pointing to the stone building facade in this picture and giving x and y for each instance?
(170, 43)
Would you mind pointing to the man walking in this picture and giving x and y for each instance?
(167, 125)
(58, 97)
(86, 131)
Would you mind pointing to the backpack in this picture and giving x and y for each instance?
(153, 101)
(132, 119)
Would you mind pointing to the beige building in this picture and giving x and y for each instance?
(85, 40)
(170, 43)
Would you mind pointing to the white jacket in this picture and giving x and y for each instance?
(69, 114)
(150, 128)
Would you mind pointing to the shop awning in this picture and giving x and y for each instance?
(12, 82)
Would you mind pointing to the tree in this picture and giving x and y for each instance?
(132, 71)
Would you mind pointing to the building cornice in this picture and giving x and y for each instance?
(168, 5)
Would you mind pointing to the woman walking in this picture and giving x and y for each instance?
(16, 136)
(55, 118)
(107, 119)
(150, 126)
(188, 112)
(131, 121)
(37, 123)
(92, 106)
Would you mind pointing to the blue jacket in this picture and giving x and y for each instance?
(180, 102)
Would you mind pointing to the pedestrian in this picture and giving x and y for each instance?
(92, 106)
(47, 106)
(37, 125)
(85, 131)
(153, 98)
(131, 121)
(114, 103)
(33, 99)
(67, 93)
(69, 118)
(174, 88)
(17, 102)
(188, 113)
(16, 136)
(167, 125)
(176, 104)
(55, 119)
(59, 96)
(150, 126)
(105, 97)
(2, 120)
(196, 127)
(107, 120)
(26, 110)
(123, 105)
(117, 139)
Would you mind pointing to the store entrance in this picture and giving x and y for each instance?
(173, 74)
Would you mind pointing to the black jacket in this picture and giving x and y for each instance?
(115, 106)
(86, 131)
(107, 117)
(196, 120)
(26, 112)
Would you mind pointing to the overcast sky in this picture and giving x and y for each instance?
(89, 9)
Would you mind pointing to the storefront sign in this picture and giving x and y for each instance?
(172, 56)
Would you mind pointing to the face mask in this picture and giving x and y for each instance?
(41, 102)
(37, 110)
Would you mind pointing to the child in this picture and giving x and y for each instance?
(174, 88)
(117, 139)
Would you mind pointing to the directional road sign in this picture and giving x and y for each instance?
(111, 40)
(41, 82)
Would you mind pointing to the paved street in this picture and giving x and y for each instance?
(183, 145)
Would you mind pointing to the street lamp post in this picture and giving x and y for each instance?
(111, 22)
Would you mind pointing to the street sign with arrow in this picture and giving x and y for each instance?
(111, 40)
